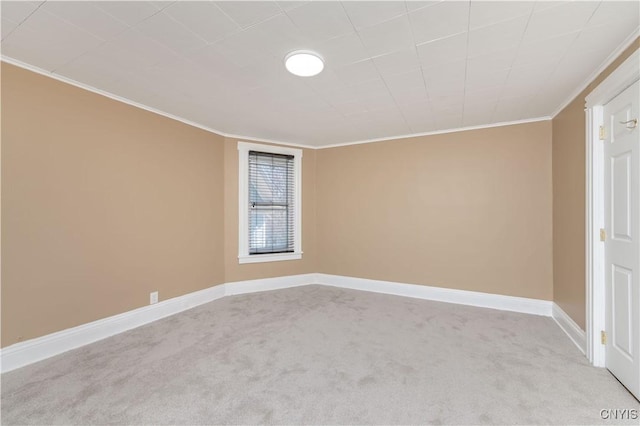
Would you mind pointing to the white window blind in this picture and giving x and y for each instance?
(271, 203)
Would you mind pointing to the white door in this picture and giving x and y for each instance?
(622, 243)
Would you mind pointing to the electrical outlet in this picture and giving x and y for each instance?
(153, 297)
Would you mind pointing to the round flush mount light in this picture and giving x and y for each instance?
(304, 63)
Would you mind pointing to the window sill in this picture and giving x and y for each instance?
(259, 258)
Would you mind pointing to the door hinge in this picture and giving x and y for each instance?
(603, 337)
(601, 133)
(603, 234)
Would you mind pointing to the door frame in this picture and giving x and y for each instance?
(623, 76)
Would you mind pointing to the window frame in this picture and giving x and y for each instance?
(243, 203)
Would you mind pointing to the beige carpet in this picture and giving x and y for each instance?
(312, 355)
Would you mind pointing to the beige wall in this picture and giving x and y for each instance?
(569, 238)
(248, 271)
(102, 203)
(468, 210)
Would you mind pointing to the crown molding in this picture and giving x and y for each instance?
(38, 70)
(268, 141)
(127, 101)
(605, 64)
(440, 132)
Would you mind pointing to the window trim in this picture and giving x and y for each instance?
(243, 205)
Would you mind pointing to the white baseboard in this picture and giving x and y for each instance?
(34, 350)
(266, 284)
(569, 326)
(460, 297)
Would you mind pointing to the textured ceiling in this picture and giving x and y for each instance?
(392, 68)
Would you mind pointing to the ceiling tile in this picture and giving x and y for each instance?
(341, 50)
(449, 72)
(86, 16)
(510, 109)
(294, 89)
(161, 5)
(326, 83)
(47, 41)
(447, 101)
(483, 78)
(484, 13)
(347, 108)
(418, 115)
(368, 13)
(170, 33)
(22, 45)
(7, 27)
(210, 59)
(405, 81)
(146, 48)
(547, 50)
(492, 61)
(321, 20)
(340, 127)
(93, 70)
(18, 11)
(415, 110)
(478, 114)
(387, 37)
(203, 18)
(546, 4)
(577, 65)
(371, 89)
(247, 13)
(172, 73)
(619, 13)
(426, 125)
(478, 106)
(389, 115)
(359, 119)
(118, 53)
(444, 50)
(531, 73)
(497, 37)
(419, 4)
(340, 95)
(521, 88)
(269, 38)
(486, 94)
(140, 88)
(598, 40)
(266, 73)
(411, 96)
(129, 12)
(538, 109)
(288, 5)
(379, 103)
(357, 73)
(440, 20)
(559, 20)
(376, 82)
(397, 62)
(448, 121)
(283, 35)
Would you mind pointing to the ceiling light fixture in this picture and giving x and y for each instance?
(304, 63)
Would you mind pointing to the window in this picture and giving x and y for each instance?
(269, 203)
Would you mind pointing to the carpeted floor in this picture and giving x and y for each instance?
(314, 354)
